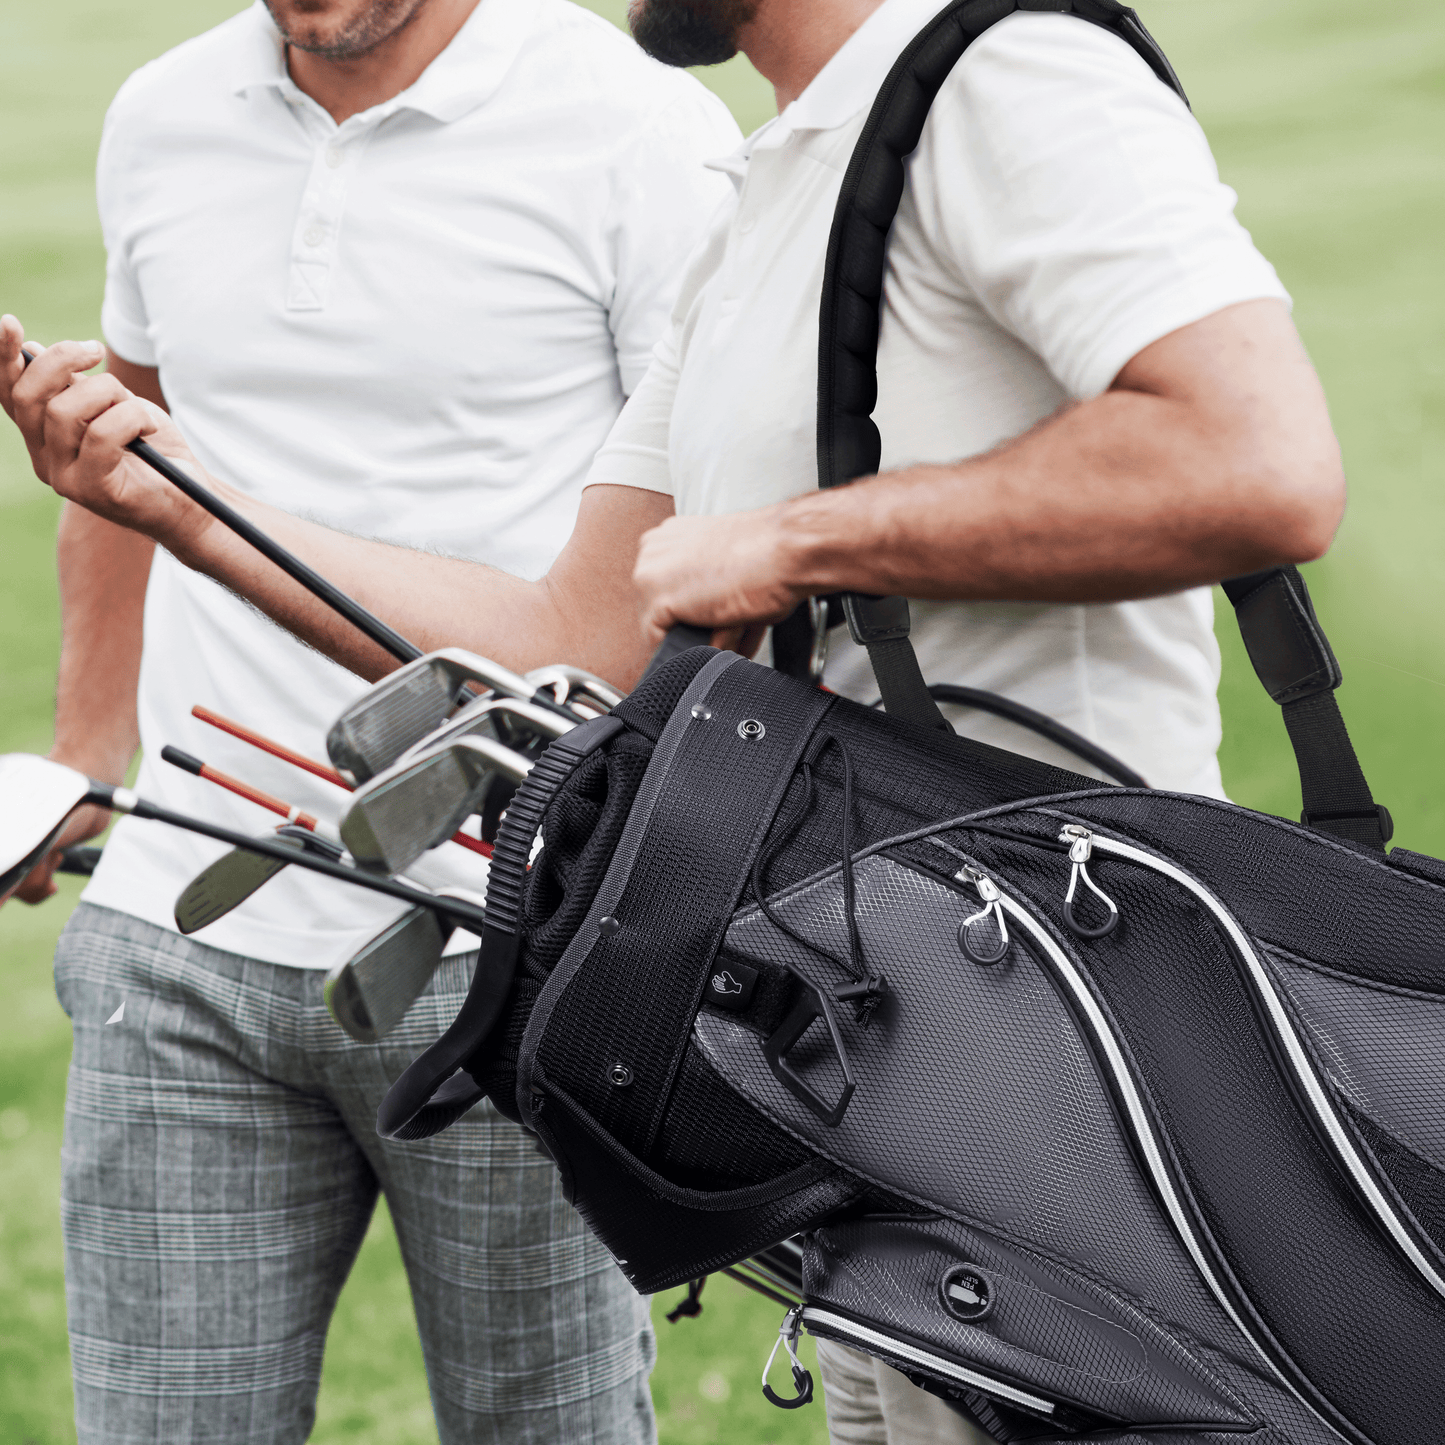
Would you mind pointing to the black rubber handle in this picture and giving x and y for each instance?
(337, 600)
(78, 860)
(679, 639)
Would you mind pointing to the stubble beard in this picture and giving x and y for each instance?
(689, 32)
(375, 23)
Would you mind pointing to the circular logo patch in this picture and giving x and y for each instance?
(968, 1293)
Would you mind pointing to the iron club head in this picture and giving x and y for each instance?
(409, 703)
(236, 875)
(567, 683)
(369, 993)
(423, 799)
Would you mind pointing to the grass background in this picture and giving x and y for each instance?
(1328, 117)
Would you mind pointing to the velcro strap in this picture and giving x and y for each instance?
(1281, 634)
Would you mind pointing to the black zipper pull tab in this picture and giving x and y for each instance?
(802, 1380)
(968, 940)
(1081, 849)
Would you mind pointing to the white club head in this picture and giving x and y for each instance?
(36, 797)
(408, 704)
(572, 683)
(422, 799)
(369, 993)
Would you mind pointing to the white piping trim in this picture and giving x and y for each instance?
(1298, 1058)
(930, 1362)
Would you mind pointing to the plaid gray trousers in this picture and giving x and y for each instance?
(220, 1168)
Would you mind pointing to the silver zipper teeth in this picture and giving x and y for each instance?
(1298, 1058)
(899, 1350)
(1143, 1131)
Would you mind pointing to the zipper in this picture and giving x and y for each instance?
(1089, 842)
(875, 1340)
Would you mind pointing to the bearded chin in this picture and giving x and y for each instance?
(689, 32)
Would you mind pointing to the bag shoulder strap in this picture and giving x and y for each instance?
(1299, 671)
(848, 442)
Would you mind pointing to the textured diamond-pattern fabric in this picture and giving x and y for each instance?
(221, 1164)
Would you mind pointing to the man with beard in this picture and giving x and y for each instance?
(1091, 398)
(395, 263)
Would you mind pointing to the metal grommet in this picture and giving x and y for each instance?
(968, 1293)
(701, 711)
(750, 730)
(620, 1075)
(608, 925)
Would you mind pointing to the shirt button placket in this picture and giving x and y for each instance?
(318, 223)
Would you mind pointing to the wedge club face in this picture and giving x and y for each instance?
(408, 704)
(235, 876)
(368, 994)
(422, 800)
(36, 797)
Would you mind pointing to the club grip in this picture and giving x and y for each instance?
(78, 860)
(679, 639)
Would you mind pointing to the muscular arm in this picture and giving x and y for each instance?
(1212, 455)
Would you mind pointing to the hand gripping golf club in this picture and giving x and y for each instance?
(37, 796)
(369, 993)
(422, 799)
(400, 710)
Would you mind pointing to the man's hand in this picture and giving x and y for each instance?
(39, 883)
(730, 573)
(77, 427)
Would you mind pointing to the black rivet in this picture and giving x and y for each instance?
(620, 1075)
(608, 925)
(968, 1293)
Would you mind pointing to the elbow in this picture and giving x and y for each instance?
(1299, 513)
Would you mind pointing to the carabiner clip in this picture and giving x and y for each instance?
(802, 1380)
(1081, 849)
(992, 904)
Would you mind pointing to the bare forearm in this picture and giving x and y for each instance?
(1073, 512)
(103, 573)
(582, 614)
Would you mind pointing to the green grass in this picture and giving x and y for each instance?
(1327, 117)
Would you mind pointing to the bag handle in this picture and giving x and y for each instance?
(1298, 668)
(849, 445)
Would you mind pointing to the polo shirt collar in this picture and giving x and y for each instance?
(851, 79)
(467, 73)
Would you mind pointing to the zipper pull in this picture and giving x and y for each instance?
(992, 904)
(802, 1380)
(1081, 849)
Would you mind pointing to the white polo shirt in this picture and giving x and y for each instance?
(1062, 212)
(417, 326)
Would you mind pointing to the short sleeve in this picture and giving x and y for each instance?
(122, 316)
(665, 197)
(1079, 200)
(635, 453)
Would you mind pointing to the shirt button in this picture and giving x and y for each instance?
(314, 235)
(334, 156)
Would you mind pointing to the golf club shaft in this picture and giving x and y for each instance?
(257, 740)
(347, 607)
(197, 768)
(122, 800)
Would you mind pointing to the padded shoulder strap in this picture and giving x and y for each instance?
(1297, 666)
(848, 442)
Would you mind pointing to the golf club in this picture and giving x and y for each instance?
(235, 876)
(78, 860)
(369, 993)
(406, 810)
(570, 683)
(37, 796)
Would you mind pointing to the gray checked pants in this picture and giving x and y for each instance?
(220, 1167)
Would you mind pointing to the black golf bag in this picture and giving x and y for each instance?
(1099, 1111)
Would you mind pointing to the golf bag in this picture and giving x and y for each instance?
(1099, 1111)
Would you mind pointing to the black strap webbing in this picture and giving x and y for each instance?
(848, 442)
(1298, 668)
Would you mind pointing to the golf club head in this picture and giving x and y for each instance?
(36, 797)
(422, 799)
(406, 705)
(567, 683)
(236, 875)
(370, 993)
(508, 720)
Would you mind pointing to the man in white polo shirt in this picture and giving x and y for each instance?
(394, 266)
(1091, 398)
